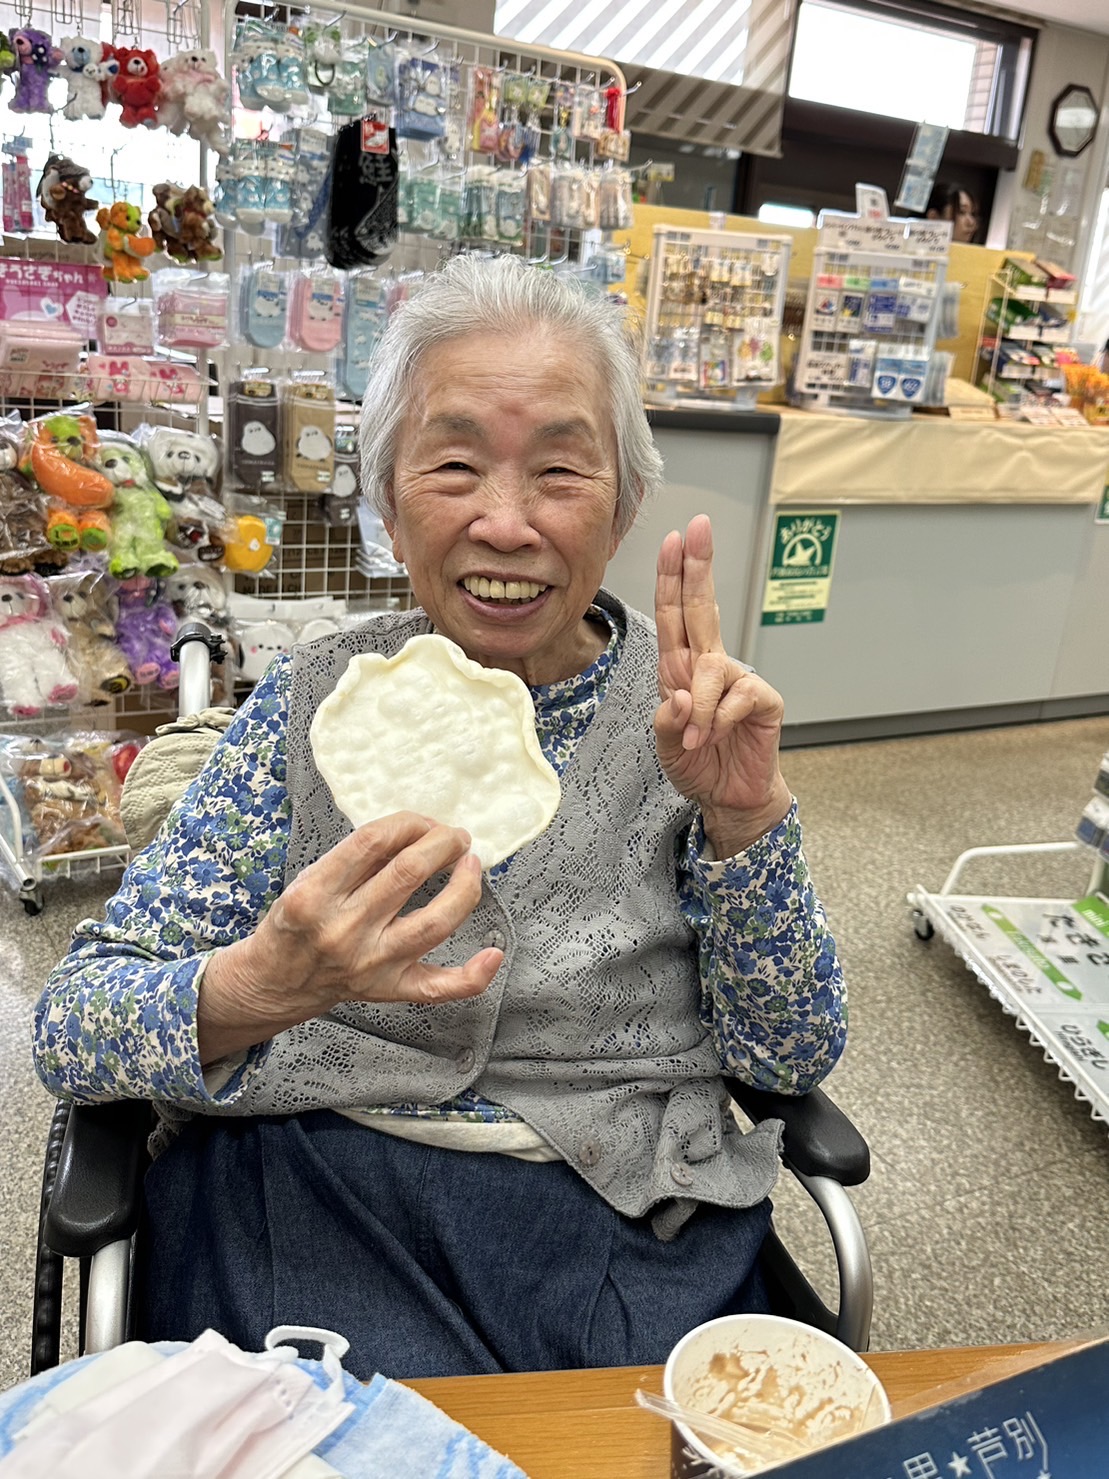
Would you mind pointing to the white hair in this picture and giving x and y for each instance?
(503, 295)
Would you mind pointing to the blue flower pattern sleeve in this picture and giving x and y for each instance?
(772, 989)
(117, 1018)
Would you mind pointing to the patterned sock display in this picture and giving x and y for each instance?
(362, 209)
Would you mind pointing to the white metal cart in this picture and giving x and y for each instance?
(1046, 961)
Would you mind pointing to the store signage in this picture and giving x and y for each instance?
(67, 292)
(1051, 1421)
(1102, 515)
(800, 575)
(929, 240)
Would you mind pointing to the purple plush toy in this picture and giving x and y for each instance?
(36, 61)
(144, 631)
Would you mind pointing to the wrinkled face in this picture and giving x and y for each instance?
(505, 490)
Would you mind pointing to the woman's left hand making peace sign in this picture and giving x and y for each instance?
(718, 725)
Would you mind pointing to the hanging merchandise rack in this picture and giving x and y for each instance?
(715, 301)
(875, 295)
(1025, 338)
(460, 112)
(1046, 961)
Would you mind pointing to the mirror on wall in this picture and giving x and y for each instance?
(1073, 120)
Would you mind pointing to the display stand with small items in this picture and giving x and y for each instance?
(1024, 341)
(1046, 961)
(872, 313)
(715, 301)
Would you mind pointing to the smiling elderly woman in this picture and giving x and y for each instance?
(475, 1122)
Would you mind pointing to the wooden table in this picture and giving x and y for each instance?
(586, 1424)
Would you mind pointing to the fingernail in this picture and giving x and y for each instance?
(691, 737)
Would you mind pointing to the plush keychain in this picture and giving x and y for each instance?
(362, 206)
(33, 671)
(88, 67)
(183, 223)
(85, 603)
(139, 515)
(195, 99)
(61, 194)
(37, 60)
(145, 630)
(122, 242)
(61, 457)
(136, 85)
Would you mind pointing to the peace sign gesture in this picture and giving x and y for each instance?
(718, 725)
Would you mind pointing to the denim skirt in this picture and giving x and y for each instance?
(431, 1262)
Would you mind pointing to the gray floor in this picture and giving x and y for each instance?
(988, 1207)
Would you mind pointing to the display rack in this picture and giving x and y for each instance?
(1023, 326)
(873, 306)
(1046, 961)
(715, 304)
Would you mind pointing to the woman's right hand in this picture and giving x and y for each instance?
(337, 934)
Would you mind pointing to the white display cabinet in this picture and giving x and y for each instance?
(715, 301)
(874, 300)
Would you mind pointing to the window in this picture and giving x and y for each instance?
(907, 59)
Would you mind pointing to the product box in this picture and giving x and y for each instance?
(1050, 1421)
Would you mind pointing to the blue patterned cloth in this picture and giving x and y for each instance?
(117, 1018)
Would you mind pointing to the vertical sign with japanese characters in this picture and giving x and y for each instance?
(1049, 1423)
(800, 575)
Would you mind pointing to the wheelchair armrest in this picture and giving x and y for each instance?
(819, 1138)
(97, 1195)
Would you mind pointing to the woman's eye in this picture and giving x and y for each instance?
(558, 472)
(455, 467)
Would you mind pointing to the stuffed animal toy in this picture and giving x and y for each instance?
(136, 85)
(8, 59)
(33, 671)
(23, 542)
(195, 99)
(122, 243)
(88, 67)
(183, 223)
(36, 62)
(71, 789)
(139, 515)
(87, 608)
(62, 195)
(61, 457)
(183, 462)
(145, 630)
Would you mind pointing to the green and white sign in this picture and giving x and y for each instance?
(800, 576)
(1102, 515)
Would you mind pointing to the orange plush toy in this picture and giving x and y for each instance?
(60, 457)
(122, 243)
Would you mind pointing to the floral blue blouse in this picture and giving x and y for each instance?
(117, 1018)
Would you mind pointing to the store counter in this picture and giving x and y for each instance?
(970, 582)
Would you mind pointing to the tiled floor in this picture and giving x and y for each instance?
(988, 1207)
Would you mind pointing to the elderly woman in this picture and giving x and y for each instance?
(475, 1122)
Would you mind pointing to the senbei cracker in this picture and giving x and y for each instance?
(432, 732)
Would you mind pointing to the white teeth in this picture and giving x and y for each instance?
(501, 590)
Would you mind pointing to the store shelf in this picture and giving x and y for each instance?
(1045, 961)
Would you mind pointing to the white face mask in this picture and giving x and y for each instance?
(209, 1410)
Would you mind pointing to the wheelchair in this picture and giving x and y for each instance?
(96, 1158)
(91, 1212)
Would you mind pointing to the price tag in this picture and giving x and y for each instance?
(375, 136)
(825, 372)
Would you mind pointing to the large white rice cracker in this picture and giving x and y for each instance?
(432, 732)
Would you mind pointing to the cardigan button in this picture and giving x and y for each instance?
(589, 1153)
(681, 1173)
(493, 940)
(465, 1060)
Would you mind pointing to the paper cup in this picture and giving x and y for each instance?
(769, 1370)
